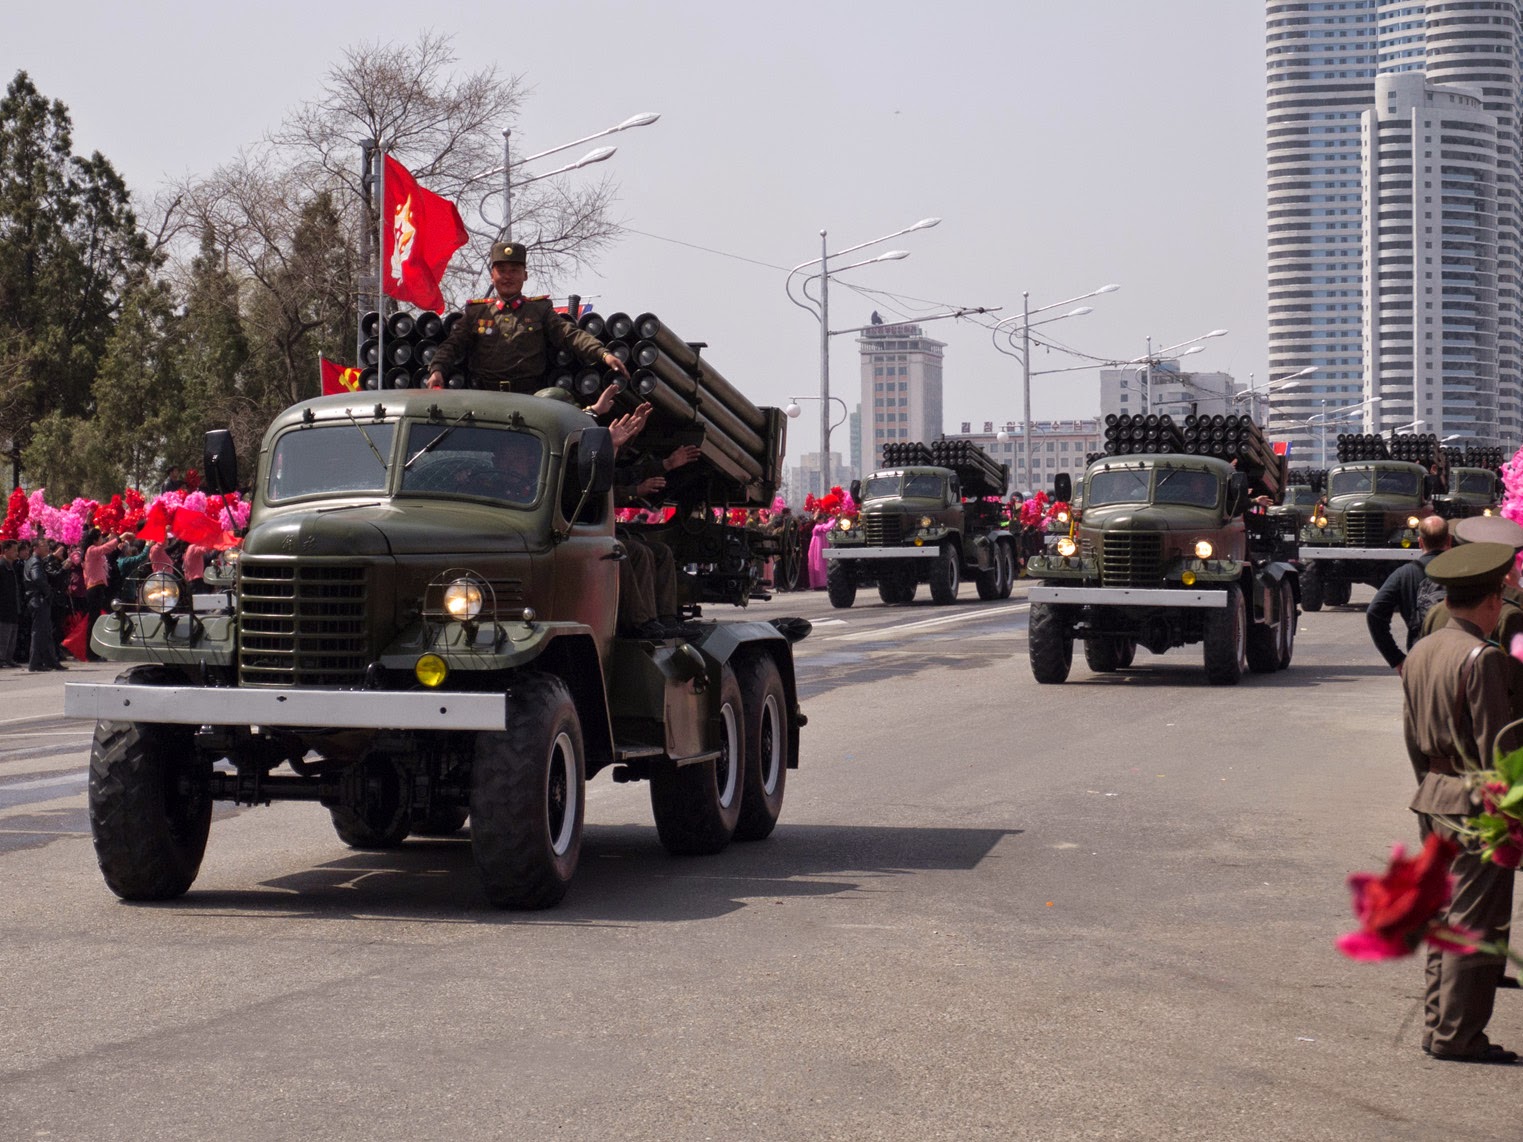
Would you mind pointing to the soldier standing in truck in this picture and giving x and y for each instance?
(505, 341)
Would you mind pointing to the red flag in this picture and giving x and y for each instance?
(195, 527)
(338, 378)
(76, 639)
(154, 528)
(422, 232)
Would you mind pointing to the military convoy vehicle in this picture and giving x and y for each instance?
(423, 628)
(1472, 491)
(1169, 550)
(933, 514)
(1368, 525)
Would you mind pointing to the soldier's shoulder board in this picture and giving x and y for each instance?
(538, 297)
(481, 301)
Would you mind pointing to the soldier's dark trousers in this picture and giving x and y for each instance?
(637, 588)
(44, 654)
(1461, 989)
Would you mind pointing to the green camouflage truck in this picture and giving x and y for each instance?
(1169, 550)
(1472, 491)
(414, 637)
(1365, 530)
(933, 514)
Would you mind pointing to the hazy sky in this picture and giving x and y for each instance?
(1064, 143)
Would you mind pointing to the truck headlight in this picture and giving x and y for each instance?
(1066, 547)
(1062, 517)
(1203, 549)
(462, 599)
(844, 524)
(430, 670)
(1321, 521)
(926, 521)
(1412, 521)
(161, 592)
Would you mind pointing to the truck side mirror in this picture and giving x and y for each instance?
(219, 463)
(594, 461)
(1063, 487)
(1237, 493)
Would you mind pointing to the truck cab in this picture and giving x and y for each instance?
(1472, 491)
(1367, 527)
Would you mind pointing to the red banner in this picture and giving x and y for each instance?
(338, 378)
(422, 232)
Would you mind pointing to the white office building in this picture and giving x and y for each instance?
(901, 388)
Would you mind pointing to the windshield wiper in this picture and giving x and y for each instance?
(436, 441)
(368, 441)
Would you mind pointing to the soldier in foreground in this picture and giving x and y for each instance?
(506, 341)
(1455, 701)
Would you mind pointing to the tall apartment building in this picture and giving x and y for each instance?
(901, 388)
(1354, 88)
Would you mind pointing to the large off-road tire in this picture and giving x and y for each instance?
(765, 706)
(1050, 643)
(988, 582)
(946, 575)
(1338, 592)
(1226, 644)
(528, 786)
(896, 589)
(441, 821)
(1287, 623)
(1311, 588)
(150, 802)
(382, 820)
(1263, 647)
(1101, 653)
(697, 806)
(840, 583)
(1008, 569)
(1126, 653)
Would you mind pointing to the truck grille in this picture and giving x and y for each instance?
(883, 530)
(1365, 529)
(1131, 559)
(301, 625)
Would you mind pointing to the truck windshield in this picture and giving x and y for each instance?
(1186, 486)
(880, 486)
(1347, 481)
(923, 487)
(1126, 486)
(1397, 483)
(1300, 496)
(474, 461)
(329, 460)
(1475, 483)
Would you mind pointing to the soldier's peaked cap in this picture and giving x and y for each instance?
(1488, 529)
(509, 252)
(1472, 565)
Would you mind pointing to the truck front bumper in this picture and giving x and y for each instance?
(881, 552)
(1128, 597)
(1390, 554)
(311, 709)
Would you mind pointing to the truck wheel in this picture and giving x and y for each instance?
(946, 576)
(1126, 652)
(1007, 569)
(443, 821)
(1287, 622)
(381, 820)
(840, 584)
(527, 796)
(1337, 593)
(1100, 653)
(1050, 643)
(988, 582)
(1311, 588)
(1227, 640)
(896, 589)
(697, 806)
(1263, 648)
(150, 803)
(765, 706)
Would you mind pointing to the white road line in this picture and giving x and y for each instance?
(46, 782)
(927, 624)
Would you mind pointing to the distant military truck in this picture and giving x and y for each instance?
(423, 627)
(1375, 498)
(933, 514)
(1170, 550)
(1472, 491)
(1296, 507)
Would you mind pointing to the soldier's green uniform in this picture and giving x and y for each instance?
(1492, 529)
(507, 343)
(1455, 701)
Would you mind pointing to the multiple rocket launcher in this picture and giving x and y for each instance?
(1228, 438)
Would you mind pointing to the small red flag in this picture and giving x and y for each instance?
(76, 639)
(422, 232)
(338, 378)
(195, 527)
(155, 527)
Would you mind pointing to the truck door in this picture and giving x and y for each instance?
(586, 570)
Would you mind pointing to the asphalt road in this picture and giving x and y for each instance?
(993, 909)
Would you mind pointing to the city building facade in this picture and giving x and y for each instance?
(1175, 391)
(901, 388)
(1056, 446)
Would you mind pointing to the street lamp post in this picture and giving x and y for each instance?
(1024, 355)
(821, 311)
(793, 411)
(1253, 395)
(1323, 418)
(1150, 359)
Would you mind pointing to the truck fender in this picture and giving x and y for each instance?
(737, 640)
(1268, 578)
(573, 658)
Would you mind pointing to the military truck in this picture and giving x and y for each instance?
(1472, 491)
(933, 514)
(1296, 506)
(423, 628)
(1170, 549)
(1375, 498)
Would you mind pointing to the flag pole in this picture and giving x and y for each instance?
(380, 295)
